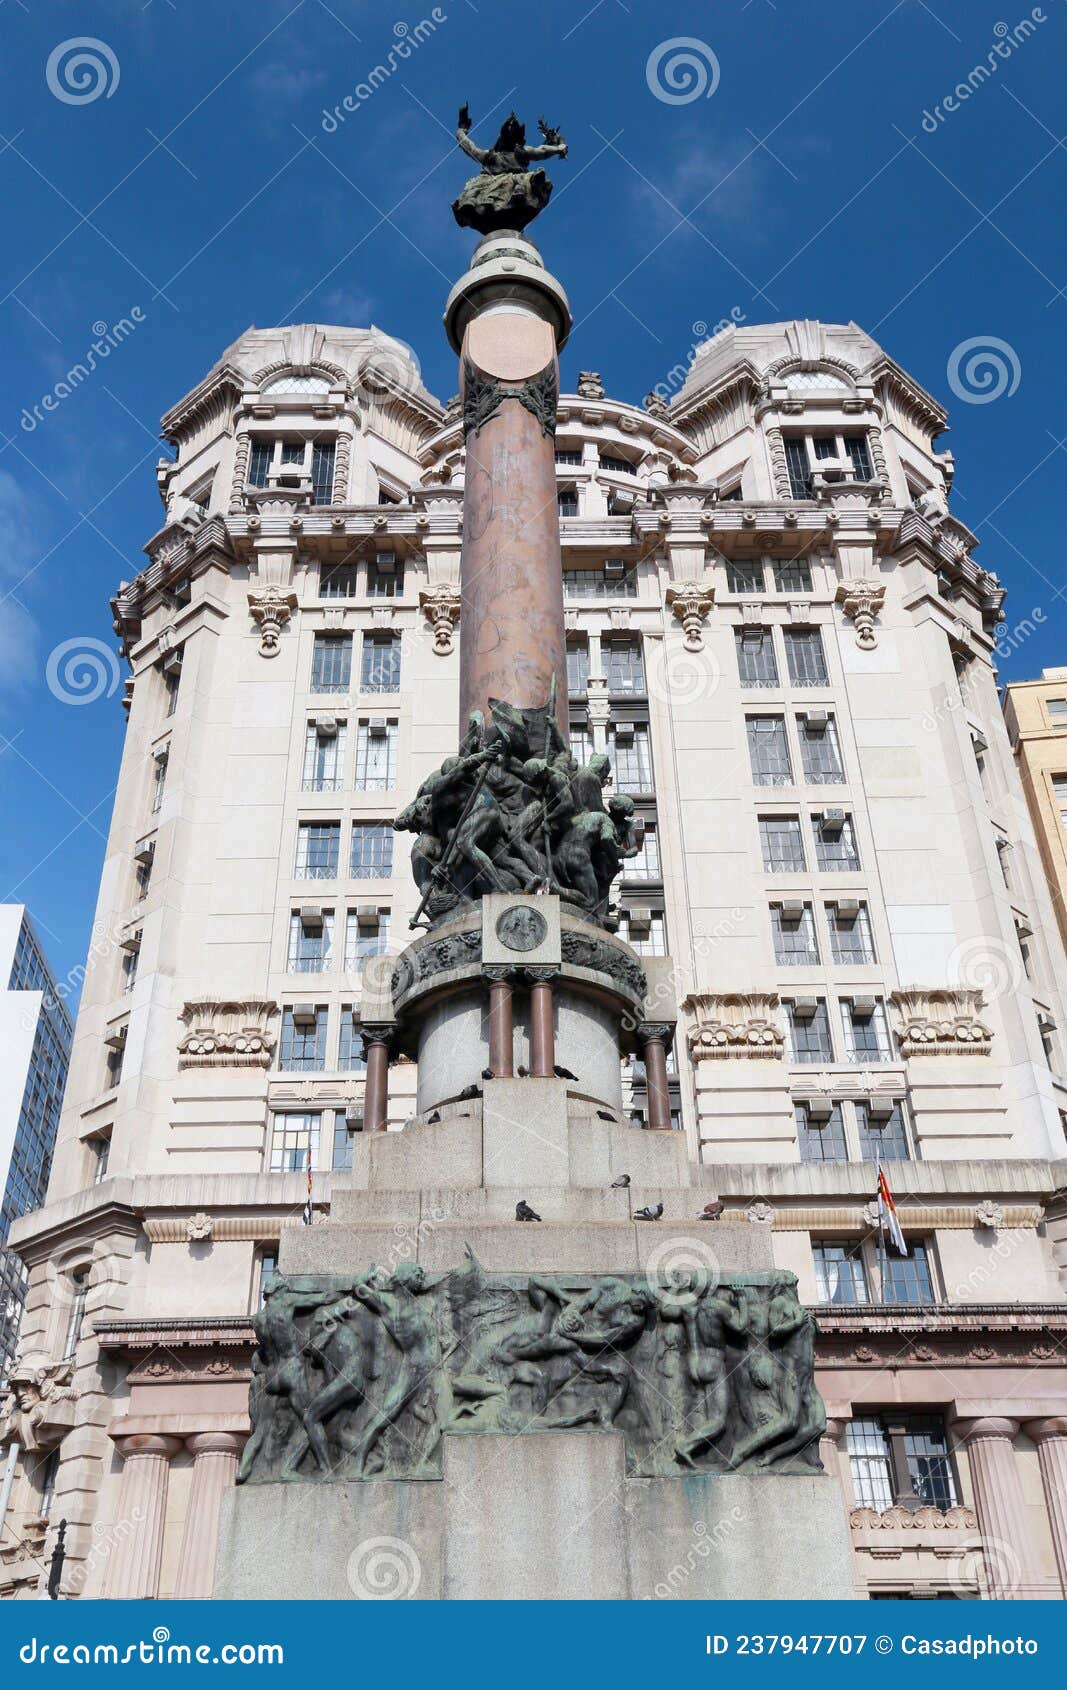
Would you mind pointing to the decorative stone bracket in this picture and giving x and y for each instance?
(271, 608)
(691, 601)
(221, 1034)
(734, 1024)
(942, 1022)
(862, 601)
(441, 606)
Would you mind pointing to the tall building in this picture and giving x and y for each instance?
(1036, 714)
(779, 636)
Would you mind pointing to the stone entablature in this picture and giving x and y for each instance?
(926, 1519)
(228, 1034)
(940, 1335)
(941, 1022)
(734, 1024)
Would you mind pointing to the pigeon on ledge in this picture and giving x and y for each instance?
(523, 1212)
(711, 1211)
(621, 1183)
(651, 1212)
(562, 1073)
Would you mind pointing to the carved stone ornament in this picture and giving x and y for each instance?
(942, 1022)
(590, 385)
(37, 1408)
(691, 602)
(361, 1377)
(441, 605)
(199, 1227)
(861, 601)
(483, 397)
(927, 1519)
(221, 1034)
(759, 1212)
(989, 1214)
(657, 407)
(734, 1024)
(871, 1213)
(271, 608)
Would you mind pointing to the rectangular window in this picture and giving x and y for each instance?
(795, 944)
(303, 1042)
(631, 760)
(385, 578)
(49, 1472)
(745, 578)
(808, 1033)
(568, 455)
(796, 457)
(101, 1151)
(624, 666)
(617, 466)
(376, 744)
(1057, 711)
(324, 759)
(768, 750)
(380, 668)
(804, 655)
(341, 1159)
(365, 938)
(339, 581)
(835, 845)
(851, 941)
(821, 1137)
(372, 851)
(578, 668)
(331, 663)
(1059, 793)
(350, 1059)
(866, 1032)
(310, 943)
(259, 462)
(113, 1067)
(820, 754)
(172, 681)
(129, 971)
(292, 1137)
(646, 933)
(567, 500)
(856, 449)
(793, 576)
(882, 1138)
(645, 866)
(318, 847)
(756, 664)
(782, 844)
(907, 1279)
(79, 1292)
(599, 584)
(268, 1267)
(159, 782)
(869, 1462)
(840, 1276)
(323, 453)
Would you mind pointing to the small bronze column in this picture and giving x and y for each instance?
(376, 1087)
(542, 1024)
(655, 1036)
(501, 1024)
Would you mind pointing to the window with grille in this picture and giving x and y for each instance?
(302, 1049)
(365, 939)
(617, 466)
(851, 940)
(796, 458)
(293, 1136)
(856, 449)
(648, 938)
(331, 663)
(339, 581)
(372, 851)
(756, 663)
(747, 577)
(323, 453)
(645, 866)
(840, 1274)
(804, 655)
(380, 667)
(567, 500)
(385, 583)
(820, 1139)
(272, 459)
(578, 668)
(597, 584)
(341, 1157)
(805, 453)
(866, 1035)
(376, 756)
(793, 576)
(350, 1058)
(768, 751)
(882, 1140)
(568, 455)
(820, 754)
(317, 850)
(782, 844)
(808, 1035)
(259, 462)
(907, 1279)
(631, 760)
(795, 943)
(581, 745)
(159, 782)
(324, 759)
(624, 666)
(79, 1292)
(835, 849)
(311, 946)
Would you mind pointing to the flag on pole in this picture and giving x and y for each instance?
(887, 1214)
(309, 1213)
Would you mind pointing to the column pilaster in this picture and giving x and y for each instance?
(133, 1569)
(1000, 1504)
(215, 1456)
(1050, 1436)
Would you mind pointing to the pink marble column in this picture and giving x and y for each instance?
(1050, 1436)
(133, 1567)
(214, 1469)
(1000, 1505)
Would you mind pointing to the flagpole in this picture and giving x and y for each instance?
(881, 1229)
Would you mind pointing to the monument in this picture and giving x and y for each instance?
(445, 1399)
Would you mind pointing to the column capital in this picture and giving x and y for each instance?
(147, 1443)
(1052, 1426)
(835, 1427)
(216, 1443)
(985, 1426)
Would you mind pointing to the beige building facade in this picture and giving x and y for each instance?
(1036, 714)
(780, 636)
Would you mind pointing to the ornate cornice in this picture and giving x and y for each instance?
(941, 1022)
(734, 1024)
(224, 1034)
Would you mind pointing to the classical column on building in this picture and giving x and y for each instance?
(215, 1456)
(542, 1023)
(655, 1037)
(376, 1086)
(133, 1569)
(1000, 1504)
(1050, 1436)
(501, 1023)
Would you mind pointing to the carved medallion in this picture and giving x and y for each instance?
(521, 928)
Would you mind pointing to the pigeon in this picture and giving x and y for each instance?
(563, 1073)
(468, 1092)
(523, 1212)
(523, 1073)
(432, 1120)
(604, 1115)
(620, 1183)
(487, 1074)
(651, 1212)
(711, 1211)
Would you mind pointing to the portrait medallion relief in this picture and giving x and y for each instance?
(521, 928)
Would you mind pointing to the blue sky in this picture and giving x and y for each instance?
(202, 188)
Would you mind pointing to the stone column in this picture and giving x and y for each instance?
(1050, 1436)
(133, 1568)
(655, 1055)
(542, 1025)
(214, 1469)
(376, 1085)
(501, 1026)
(1000, 1505)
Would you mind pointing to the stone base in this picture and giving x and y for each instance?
(549, 1516)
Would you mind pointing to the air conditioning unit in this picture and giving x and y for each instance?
(818, 1108)
(171, 661)
(304, 1014)
(614, 566)
(354, 1117)
(815, 721)
(311, 918)
(160, 753)
(805, 1009)
(792, 909)
(1023, 927)
(847, 908)
(325, 726)
(624, 732)
(880, 1108)
(831, 822)
(144, 850)
(115, 1037)
(978, 740)
(131, 939)
(1045, 1021)
(378, 727)
(368, 915)
(639, 923)
(864, 1007)
(386, 562)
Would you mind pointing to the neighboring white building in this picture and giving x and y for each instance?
(782, 639)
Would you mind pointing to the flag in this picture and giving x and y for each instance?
(309, 1213)
(887, 1214)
